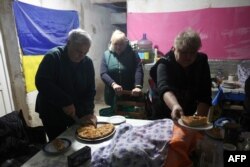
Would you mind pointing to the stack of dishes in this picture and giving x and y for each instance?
(230, 85)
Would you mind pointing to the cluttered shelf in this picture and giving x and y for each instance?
(229, 91)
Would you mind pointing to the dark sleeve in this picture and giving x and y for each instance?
(163, 79)
(91, 91)
(139, 75)
(247, 87)
(45, 80)
(205, 92)
(104, 72)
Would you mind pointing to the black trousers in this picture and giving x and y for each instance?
(55, 123)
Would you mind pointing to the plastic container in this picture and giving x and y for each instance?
(145, 50)
(157, 53)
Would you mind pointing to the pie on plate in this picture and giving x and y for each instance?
(194, 121)
(57, 146)
(90, 132)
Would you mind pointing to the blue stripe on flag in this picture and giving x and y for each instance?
(40, 29)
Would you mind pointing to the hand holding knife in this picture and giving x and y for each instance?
(87, 119)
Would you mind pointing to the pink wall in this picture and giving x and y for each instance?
(225, 32)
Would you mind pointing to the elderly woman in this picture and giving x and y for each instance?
(183, 77)
(66, 84)
(121, 68)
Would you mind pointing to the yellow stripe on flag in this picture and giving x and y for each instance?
(30, 66)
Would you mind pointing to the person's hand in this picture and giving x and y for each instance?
(117, 88)
(89, 119)
(136, 92)
(177, 112)
(70, 110)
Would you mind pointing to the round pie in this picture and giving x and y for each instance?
(92, 132)
(194, 121)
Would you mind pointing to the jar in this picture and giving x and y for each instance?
(232, 132)
(219, 76)
(231, 78)
(145, 50)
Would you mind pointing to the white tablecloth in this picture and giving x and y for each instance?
(42, 159)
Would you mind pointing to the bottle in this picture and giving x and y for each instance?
(145, 50)
(219, 76)
(155, 55)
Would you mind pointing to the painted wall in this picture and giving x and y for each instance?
(93, 18)
(223, 24)
(96, 23)
(226, 38)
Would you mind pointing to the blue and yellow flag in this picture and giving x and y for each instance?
(40, 29)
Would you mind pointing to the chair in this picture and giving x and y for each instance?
(130, 106)
(156, 108)
(18, 141)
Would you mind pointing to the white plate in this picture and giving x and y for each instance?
(49, 148)
(230, 85)
(205, 127)
(116, 120)
(229, 147)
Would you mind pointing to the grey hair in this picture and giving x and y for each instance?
(188, 40)
(117, 35)
(79, 36)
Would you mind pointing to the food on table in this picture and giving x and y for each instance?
(92, 132)
(58, 144)
(194, 121)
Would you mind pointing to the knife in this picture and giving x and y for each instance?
(80, 121)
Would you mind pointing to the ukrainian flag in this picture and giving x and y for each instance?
(40, 29)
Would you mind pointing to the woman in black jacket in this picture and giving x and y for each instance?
(183, 77)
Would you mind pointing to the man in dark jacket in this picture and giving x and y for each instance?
(66, 84)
